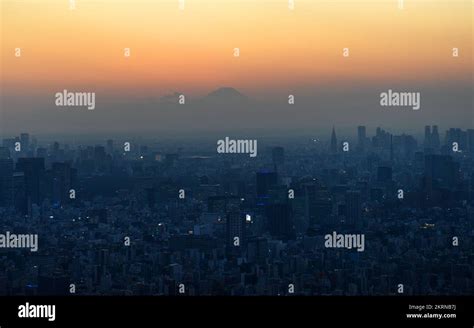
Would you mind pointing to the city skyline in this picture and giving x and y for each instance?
(381, 215)
(245, 159)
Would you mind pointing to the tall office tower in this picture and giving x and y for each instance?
(9, 143)
(463, 139)
(322, 206)
(459, 136)
(55, 149)
(381, 138)
(61, 174)
(333, 141)
(25, 142)
(391, 148)
(6, 182)
(100, 158)
(427, 143)
(33, 169)
(470, 140)
(33, 144)
(235, 229)
(353, 207)
(361, 137)
(4, 153)
(450, 137)
(441, 170)
(257, 249)
(265, 181)
(20, 201)
(279, 220)
(53, 284)
(317, 204)
(110, 146)
(435, 141)
(278, 156)
(309, 192)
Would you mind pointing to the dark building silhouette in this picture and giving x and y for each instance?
(361, 138)
(427, 141)
(25, 142)
(55, 284)
(110, 146)
(4, 153)
(441, 171)
(381, 139)
(405, 144)
(459, 136)
(21, 203)
(235, 230)
(353, 207)
(33, 169)
(6, 182)
(279, 220)
(265, 181)
(333, 148)
(62, 176)
(435, 140)
(317, 204)
(470, 140)
(257, 249)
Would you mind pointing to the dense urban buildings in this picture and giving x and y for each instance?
(157, 218)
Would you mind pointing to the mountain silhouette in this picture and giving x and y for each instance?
(227, 95)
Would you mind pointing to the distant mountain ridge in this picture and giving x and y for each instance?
(227, 95)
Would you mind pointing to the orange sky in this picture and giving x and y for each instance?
(191, 50)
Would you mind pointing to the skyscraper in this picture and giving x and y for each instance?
(6, 182)
(353, 207)
(33, 169)
(235, 228)
(333, 141)
(435, 141)
(110, 146)
(4, 153)
(25, 142)
(427, 142)
(265, 180)
(61, 182)
(317, 204)
(279, 216)
(470, 140)
(361, 137)
(441, 171)
(20, 201)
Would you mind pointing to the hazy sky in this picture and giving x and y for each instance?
(191, 51)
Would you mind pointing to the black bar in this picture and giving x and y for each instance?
(155, 311)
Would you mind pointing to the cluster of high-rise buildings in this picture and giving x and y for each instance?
(177, 218)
